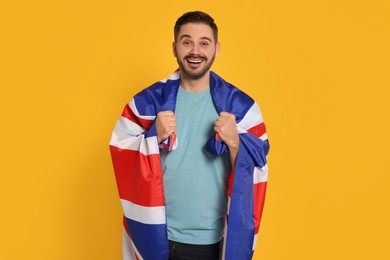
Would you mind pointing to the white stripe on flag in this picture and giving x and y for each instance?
(128, 247)
(252, 118)
(264, 137)
(146, 215)
(260, 175)
(254, 241)
(241, 131)
(123, 137)
(127, 127)
(228, 205)
(223, 251)
(173, 76)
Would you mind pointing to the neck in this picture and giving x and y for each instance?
(197, 85)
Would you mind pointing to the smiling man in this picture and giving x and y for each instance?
(189, 154)
(195, 48)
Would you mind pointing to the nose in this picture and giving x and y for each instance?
(194, 49)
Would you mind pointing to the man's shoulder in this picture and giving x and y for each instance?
(158, 87)
(158, 96)
(228, 89)
(230, 98)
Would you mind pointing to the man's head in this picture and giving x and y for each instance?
(196, 17)
(196, 44)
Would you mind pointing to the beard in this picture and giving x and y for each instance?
(193, 75)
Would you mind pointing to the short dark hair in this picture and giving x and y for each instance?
(196, 17)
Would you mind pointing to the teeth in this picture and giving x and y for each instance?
(195, 61)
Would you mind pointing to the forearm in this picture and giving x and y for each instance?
(233, 151)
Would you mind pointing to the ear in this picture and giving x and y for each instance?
(217, 49)
(174, 49)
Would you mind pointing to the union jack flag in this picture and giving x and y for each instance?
(135, 154)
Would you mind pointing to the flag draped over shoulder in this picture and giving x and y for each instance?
(135, 153)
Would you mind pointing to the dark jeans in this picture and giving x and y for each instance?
(181, 251)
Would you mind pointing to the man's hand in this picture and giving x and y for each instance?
(165, 124)
(226, 127)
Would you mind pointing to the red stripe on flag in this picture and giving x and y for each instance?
(230, 183)
(138, 176)
(172, 139)
(129, 114)
(258, 130)
(259, 190)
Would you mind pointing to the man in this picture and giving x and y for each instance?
(184, 150)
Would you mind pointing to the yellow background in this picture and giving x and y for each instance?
(318, 69)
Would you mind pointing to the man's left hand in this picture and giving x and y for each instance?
(226, 127)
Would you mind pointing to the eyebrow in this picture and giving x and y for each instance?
(189, 36)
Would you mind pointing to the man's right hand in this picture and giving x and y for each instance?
(165, 124)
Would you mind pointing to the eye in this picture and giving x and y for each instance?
(204, 43)
(186, 43)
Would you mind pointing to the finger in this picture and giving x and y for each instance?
(161, 113)
(218, 129)
(227, 115)
(168, 112)
(165, 113)
(170, 131)
(172, 119)
(221, 119)
(224, 113)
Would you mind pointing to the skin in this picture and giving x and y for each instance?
(195, 50)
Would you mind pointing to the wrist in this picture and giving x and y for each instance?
(233, 151)
(233, 146)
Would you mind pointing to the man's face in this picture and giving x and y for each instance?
(195, 49)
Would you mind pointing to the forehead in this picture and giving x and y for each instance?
(196, 31)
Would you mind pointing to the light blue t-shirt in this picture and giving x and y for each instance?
(195, 182)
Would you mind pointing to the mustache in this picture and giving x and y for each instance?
(194, 56)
